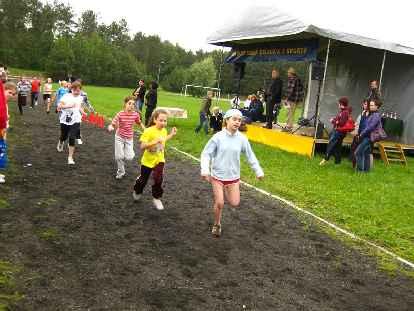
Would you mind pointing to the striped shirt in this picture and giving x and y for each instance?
(124, 121)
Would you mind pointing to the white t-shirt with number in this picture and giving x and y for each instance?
(70, 116)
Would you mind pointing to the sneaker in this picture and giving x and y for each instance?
(70, 161)
(323, 162)
(79, 141)
(59, 146)
(2, 179)
(136, 196)
(158, 204)
(119, 175)
(216, 231)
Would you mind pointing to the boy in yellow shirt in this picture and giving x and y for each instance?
(153, 160)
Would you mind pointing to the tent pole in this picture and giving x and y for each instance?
(382, 69)
(322, 89)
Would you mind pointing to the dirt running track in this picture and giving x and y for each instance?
(83, 244)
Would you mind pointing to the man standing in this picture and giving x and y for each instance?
(373, 93)
(294, 95)
(139, 93)
(273, 98)
(35, 91)
(205, 113)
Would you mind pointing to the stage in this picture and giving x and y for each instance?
(302, 141)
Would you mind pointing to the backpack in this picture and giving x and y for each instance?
(348, 127)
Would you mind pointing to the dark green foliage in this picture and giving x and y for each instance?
(46, 36)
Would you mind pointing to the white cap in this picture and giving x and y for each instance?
(232, 113)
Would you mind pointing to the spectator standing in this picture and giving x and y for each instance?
(366, 138)
(139, 94)
(151, 101)
(273, 99)
(205, 113)
(294, 95)
(373, 92)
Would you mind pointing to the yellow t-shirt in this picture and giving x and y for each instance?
(154, 155)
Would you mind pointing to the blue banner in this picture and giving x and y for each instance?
(295, 50)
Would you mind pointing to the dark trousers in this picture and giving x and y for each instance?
(276, 110)
(269, 114)
(363, 155)
(35, 97)
(203, 123)
(148, 113)
(335, 146)
(157, 174)
(21, 101)
(69, 131)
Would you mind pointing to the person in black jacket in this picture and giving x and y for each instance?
(216, 120)
(150, 101)
(273, 99)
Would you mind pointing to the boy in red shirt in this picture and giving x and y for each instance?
(35, 91)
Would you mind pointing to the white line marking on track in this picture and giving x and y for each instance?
(292, 205)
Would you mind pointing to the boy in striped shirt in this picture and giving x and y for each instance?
(124, 146)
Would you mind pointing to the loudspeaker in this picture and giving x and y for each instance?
(238, 70)
(318, 69)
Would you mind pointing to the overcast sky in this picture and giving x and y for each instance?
(189, 23)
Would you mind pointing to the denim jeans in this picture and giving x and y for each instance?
(203, 123)
(362, 155)
(335, 146)
(139, 104)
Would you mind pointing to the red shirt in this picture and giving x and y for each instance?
(35, 85)
(125, 122)
(3, 108)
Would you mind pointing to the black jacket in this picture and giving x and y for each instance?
(274, 94)
(151, 98)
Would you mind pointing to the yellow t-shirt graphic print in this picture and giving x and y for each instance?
(155, 154)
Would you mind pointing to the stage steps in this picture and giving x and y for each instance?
(392, 153)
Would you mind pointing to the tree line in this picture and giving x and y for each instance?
(49, 37)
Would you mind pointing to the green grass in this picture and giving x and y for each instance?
(8, 294)
(378, 206)
(25, 72)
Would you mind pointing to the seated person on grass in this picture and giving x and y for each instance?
(256, 110)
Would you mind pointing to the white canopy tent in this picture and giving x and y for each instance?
(352, 61)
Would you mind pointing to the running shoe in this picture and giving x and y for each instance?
(70, 161)
(158, 204)
(119, 175)
(136, 196)
(216, 231)
(59, 146)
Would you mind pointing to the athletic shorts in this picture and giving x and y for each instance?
(46, 96)
(227, 182)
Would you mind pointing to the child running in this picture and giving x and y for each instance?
(70, 106)
(124, 143)
(223, 151)
(153, 144)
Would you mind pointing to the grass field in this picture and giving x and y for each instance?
(378, 206)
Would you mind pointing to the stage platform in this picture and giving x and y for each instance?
(301, 142)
